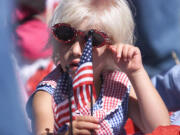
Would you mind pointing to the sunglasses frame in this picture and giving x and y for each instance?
(106, 39)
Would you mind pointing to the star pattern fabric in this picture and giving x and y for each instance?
(116, 88)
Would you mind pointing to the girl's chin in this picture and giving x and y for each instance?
(72, 69)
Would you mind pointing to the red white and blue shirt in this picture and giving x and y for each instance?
(110, 108)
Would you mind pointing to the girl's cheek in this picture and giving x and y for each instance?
(95, 52)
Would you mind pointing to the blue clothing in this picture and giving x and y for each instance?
(168, 86)
(158, 33)
(175, 118)
(10, 106)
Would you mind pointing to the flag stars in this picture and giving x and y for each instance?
(62, 91)
(87, 53)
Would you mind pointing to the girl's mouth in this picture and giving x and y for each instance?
(74, 65)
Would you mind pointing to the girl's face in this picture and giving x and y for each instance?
(70, 54)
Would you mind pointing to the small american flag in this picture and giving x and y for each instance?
(61, 102)
(83, 80)
(82, 85)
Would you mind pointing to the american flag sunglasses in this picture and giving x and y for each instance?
(65, 33)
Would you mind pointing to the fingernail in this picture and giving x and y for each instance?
(118, 56)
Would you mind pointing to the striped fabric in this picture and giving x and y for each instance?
(110, 108)
(83, 80)
(61, 102)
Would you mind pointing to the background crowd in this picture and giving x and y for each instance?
(27, 55)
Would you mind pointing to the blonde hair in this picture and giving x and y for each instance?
(112, 16)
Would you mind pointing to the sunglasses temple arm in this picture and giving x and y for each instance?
(91, 100)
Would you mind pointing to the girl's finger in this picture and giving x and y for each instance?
(137, 51)
(131, 52)
(86, 125)
(125, 52)
(119, 52)
(87, 119)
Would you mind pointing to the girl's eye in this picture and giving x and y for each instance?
(65, 33)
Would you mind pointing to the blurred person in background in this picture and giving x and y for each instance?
(31, 32)
(168, 86)
(33, 58)
(11, 111)
(157, 33)
(158, 37)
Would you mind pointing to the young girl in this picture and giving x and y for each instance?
(122, 86)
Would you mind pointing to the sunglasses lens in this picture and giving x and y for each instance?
(64, 33)
(98, 39)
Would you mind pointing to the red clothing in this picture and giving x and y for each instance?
(166, 130)
(31, 35)
(32, 39)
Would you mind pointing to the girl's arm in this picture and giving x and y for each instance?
(146, 107)
(43, 120)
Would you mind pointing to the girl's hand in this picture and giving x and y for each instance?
(85, 125)
(127, 57)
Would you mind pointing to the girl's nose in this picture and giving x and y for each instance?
(76, 49)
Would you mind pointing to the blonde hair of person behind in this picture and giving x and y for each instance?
(112, 16)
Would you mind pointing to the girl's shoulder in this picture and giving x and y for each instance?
(54, 75)
(49, 83)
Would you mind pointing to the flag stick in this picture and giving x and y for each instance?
(91, 35)
(70, 103)
(91, 100)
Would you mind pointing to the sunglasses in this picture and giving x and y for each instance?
(65, 33)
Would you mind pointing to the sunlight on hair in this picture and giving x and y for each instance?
(113, 17)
